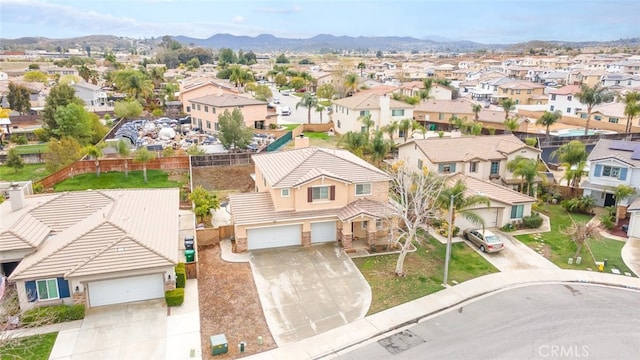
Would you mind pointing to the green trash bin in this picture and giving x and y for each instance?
(219, 344)
(190, 255)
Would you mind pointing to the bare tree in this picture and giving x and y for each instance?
(414, 197)
(581, 233)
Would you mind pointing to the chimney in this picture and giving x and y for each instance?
(16, 196)
(301, 142)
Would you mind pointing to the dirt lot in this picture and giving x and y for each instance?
(229, 304)
(226, 179)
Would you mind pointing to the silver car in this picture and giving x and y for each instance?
(487, 241)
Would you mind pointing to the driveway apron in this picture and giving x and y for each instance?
(306, 291)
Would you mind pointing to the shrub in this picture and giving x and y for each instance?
(19, 139)
(532, 222)
(181, 275)
(608, 221)
(53, 314)
(273, 126)
(174, 297)
(508, 227)
(582, 204)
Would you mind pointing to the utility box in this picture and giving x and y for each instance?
(190, 255)
(219, 344)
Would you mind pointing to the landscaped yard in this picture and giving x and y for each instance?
(29, 172)
(319, 139)
(37, 347)
(117, 180)
(31, 149)
(559, 247)
(424, 271)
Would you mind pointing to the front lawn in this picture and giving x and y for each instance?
(117, 180)
(32, 172)
(559, 247)
(317, 135)
(424, 269)
(37, 347)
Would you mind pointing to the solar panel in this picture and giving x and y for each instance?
(636, 153)
(623, 145)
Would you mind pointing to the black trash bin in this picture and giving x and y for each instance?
(188, 242)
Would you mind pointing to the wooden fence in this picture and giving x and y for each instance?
(212, 236)
(227, 159)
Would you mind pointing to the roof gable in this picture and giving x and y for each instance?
(68, 209)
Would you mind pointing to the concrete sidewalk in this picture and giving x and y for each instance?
(183, 326)
(344, 339)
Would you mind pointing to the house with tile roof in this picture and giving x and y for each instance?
(564, 100)
(196, 87)
(312, 195)
(523, 92)
(206, 110)
(347, 112)
(90, 247)
(480, 157)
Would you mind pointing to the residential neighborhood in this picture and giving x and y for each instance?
(164, 199)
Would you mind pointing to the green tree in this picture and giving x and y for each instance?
(309, 102)
(18, 98)
(74, 121)
(368, 124)
(591, 97)
(476, 108)
(361, 67)
(123, 151)
(631, 107)
(234, 134)
(391, 128)
(508, 104)
(547, 119)
(425, 93)
(621, 192)
(355, 142)
(511, 124)
(262, 92)
(405, 125)
(319, 108)
(476, 128)
(61, 153)
(463, 205)
(350, 83)
(95, 152)
(203, 201)
(281, 80)
(297, 82)
(193, 64)
(326, 91)
(35, 76)
(459, 123)
(281, 59)
(59, 96)
(573, 157)
(526, 169)
(378, 148)
(378, 54)
(14, 160)
(128, 109)
(227, 56)
(143, 156)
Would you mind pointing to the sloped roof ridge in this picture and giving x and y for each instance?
(306, 154)
(359, 161)
(11, 232)
(21, 218)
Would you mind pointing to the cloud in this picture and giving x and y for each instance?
(291, 10)
(239, 19)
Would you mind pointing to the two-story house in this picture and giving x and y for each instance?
(564, 100)
(483, 158)
(348, 112)
(523, 92)
(92, 95)
(312, 195)
(437, 91)
(206, 110)
(197, 87)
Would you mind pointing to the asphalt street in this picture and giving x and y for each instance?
(299, 115)
(534, 322)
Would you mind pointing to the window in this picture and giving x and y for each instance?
(365, 225)
(198, 106)
(208, 124)
(363, 189)
(495, 166)
(447, 168)
(339, 124)
(284, 192)
(517, 211)
(216, 126)
(473, 167)
(518, 92)
(552, 108)
(584, 115)
(440, 116)
(213, 110)
(206, 108)
(419, 163)
(363, 129)
(553, 96)
(613, 120)
(379, 224)
(569, 98)
(399, 112)
(364, 112)
(47, 289)
(611, 171)
(529, 92)
(320, 193)
(568, 110)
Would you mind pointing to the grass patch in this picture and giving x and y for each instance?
(560, 247)
(37, 347)
(317, 135)
(117, 180)
(291, 126)
(32, 172)
(325, 103)
(31, 149)
(424, 269)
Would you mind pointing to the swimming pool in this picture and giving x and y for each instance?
(580, 132)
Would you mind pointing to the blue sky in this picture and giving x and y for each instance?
(491, 21)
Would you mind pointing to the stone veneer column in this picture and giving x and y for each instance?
(79, 298)
(371, 238)
(339, 231)
(241, 244)
(306, 238)
(347, 241)
(169, 285)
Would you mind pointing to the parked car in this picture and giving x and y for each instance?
(286, 111)
(275, 101)
(487, 241)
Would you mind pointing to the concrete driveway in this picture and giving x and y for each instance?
(306, 291)
(515, 256)
(127, 331)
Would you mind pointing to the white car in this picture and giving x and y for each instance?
(275, 101)
(286, 111)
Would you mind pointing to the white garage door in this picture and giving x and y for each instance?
(323, 231)
(129, 289)
(490, 216)
(274, 236)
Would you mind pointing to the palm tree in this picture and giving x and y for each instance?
(476, 108)
(458, 123)
(308, 101)
(631, 107)
(319, 108)
(462, 205)
(508, 104)
(350, 83)
(511, 124)
(391, 128)
(526, 169)
(573, 173)
(620, 193)
(404, 126)
(123, 150)
(143, 156)
(581, 233)
(476, 128)
(592, 96)
(95, 152)
(361, 67)
(425, 94)
(547, 119)
(378, 148)
(84, 72)
(354, 142)
(368, 123)
(570, 153)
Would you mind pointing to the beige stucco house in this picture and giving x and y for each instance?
(197, 87)
(206, 110)
(347, 112)
(90, 247)
(312, 195)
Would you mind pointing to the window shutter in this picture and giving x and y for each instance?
(598, 170)
(63, 288)
(623, 174)
(453, 167)
(32, 292)
(309, 194)
(332, 192)
(440, 168)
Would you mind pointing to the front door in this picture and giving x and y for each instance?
(609, 200)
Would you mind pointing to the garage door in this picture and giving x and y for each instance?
(323, 232)
(274, 236)
(490, 216)
(123, 290)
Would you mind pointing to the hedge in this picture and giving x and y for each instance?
(181, 275)
(532, 222)
(174, 297)
(53, 314)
